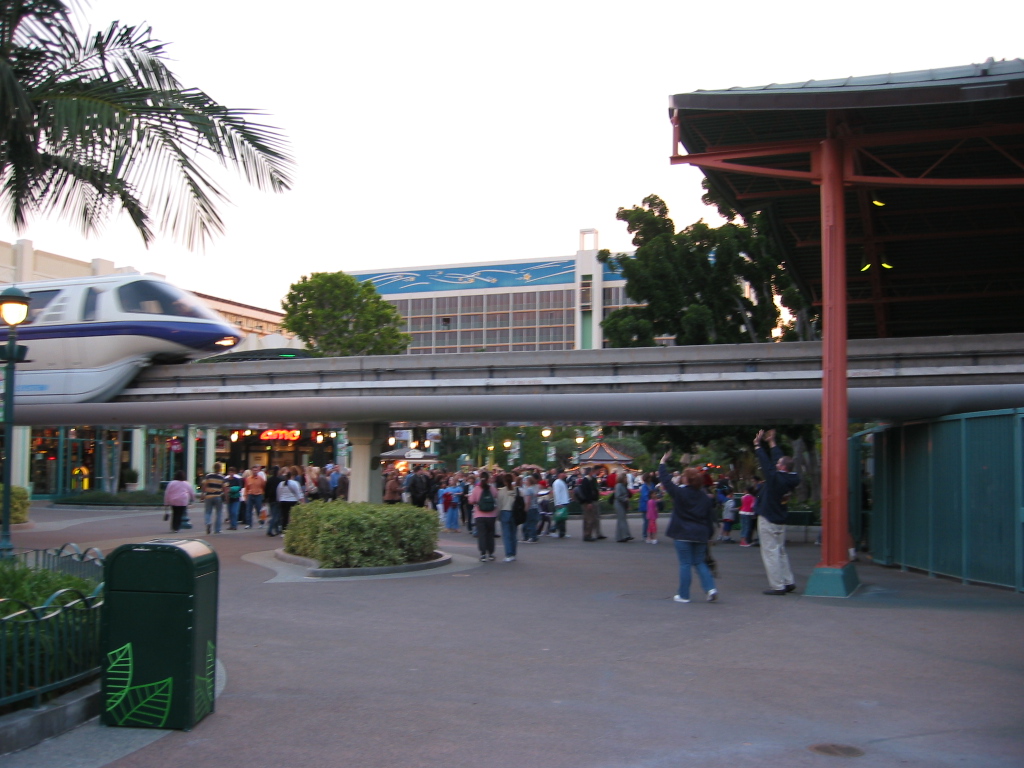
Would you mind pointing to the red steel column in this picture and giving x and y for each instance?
(834, 411)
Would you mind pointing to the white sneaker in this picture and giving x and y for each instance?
(712, 595)
(510, 559)
(679, 599)
(654, 541)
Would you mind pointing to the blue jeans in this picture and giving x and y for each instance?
(691, 555)
(233, 506)
(508, 533)
(530, 526)
(253, 505)
(214, 506)
(747, 527)
(451, 517)
(274, 524)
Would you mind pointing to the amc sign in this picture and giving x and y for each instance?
(280, 434)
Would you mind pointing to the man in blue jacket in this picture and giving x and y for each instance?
(779, 482)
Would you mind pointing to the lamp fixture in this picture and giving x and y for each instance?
(876, 200)
(545, 433)
(14, 306)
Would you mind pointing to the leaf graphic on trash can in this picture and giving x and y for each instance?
(146, 705)
(119, 674)
(205, 683)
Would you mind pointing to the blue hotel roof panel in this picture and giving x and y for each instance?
(514, 275)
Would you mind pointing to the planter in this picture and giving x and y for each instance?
(315, 571)
(129, 487)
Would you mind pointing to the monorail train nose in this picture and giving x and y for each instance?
(227, 341)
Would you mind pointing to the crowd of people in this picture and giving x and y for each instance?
(258, 496)
(521, 506)
(524, 505)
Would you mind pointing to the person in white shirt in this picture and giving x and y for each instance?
(561, 491)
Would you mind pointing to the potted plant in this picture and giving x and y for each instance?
(131, 479)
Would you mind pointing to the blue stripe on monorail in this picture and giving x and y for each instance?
(199, 335)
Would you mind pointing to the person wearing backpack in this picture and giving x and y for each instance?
(234, 486)
(485, 513)
(506, 504)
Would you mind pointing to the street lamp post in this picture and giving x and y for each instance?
(508, 453)
(545, 434)
(13, 310)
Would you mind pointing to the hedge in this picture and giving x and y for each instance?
(106, 499)
(19, 504)
(359, 535)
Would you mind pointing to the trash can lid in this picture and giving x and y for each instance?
(159, 565)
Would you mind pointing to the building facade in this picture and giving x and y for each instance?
(504, 306)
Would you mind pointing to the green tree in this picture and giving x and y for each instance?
(690, 284)
(96, 123)
(337, 316)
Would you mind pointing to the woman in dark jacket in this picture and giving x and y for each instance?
(692, 525)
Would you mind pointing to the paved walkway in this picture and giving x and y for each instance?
(576, 657)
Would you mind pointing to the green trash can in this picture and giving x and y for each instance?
(159, 634)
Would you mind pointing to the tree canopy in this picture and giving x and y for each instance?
(701, 285)
(337, 316)
(94, 123)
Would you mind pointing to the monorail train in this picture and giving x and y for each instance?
(88, 337)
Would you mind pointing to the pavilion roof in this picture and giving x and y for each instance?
(918, 142)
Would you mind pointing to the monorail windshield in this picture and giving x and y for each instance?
(149, 297)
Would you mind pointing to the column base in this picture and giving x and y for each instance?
(832, 582)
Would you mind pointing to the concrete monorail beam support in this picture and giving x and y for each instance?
(367, 441)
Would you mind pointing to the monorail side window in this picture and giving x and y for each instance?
(149, 297)
(89, 305)
(39, 301)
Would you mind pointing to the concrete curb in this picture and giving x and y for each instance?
(314, 571)
(27, 727)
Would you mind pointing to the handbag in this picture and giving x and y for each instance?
(167, 515)
(711, 563)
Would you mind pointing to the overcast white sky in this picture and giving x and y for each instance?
(458, 130)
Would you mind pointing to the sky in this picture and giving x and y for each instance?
(457, 131)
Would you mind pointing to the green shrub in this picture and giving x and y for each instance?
(360, 535)
(125, 499)
(19, 505)
(33, 587)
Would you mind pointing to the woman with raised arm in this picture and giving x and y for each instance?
(692, 525)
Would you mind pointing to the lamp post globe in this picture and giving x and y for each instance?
(14, 311)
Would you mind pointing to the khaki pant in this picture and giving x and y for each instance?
(773, 553)
(591, 520)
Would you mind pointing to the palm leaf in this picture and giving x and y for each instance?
(95, 123)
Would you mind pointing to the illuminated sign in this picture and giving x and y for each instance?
(280, 434)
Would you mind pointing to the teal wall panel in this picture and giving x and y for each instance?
(989, 533)
(947, 514)
(949, 497)
(916, 497)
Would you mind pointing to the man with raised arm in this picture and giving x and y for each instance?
(779, 482)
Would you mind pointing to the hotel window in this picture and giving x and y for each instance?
(521, 335)
(402, 305)
(552, 317)
(524, 318)
(447, 305)
(551, 299)
(471, 321)
(421, 307)
(498, 302)
(422, 339)
(497, 337)
(497, 320)
(524, 301)
(472, 339)
(471, 304)
(421, 323)
(446, 338)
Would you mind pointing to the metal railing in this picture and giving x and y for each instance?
(55, 645)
